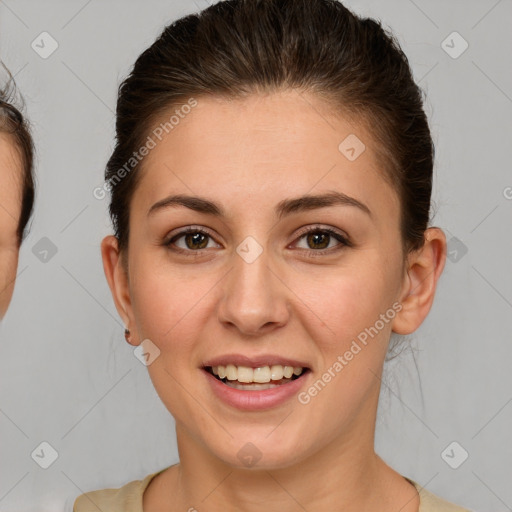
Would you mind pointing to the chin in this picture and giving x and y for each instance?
(260, 452)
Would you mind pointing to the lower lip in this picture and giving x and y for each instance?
(255, 400)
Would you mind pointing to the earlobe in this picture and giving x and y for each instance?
(424, 267)
(117, 280)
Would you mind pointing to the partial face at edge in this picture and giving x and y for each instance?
(305, 297)
(10, 211)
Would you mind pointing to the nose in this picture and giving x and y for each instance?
(254, 299)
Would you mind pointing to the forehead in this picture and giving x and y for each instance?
(264, 147)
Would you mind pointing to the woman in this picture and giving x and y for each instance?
(271, 190)
(16, 189)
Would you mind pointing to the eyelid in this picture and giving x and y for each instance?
(188, 229)
(320, 227)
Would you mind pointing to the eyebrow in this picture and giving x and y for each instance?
(283, 208)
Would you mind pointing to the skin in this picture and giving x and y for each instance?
(247, 156)
(10, 211)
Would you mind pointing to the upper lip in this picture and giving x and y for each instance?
(254, 361)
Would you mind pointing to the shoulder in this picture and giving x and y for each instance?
(127, 498)
(430, 502)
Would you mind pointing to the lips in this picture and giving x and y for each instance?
(255, 383)
(255, 396)
(255, 361)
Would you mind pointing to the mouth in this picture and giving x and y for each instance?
(247, 378)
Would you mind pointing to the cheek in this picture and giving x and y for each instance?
(8, 267)
(353, 347)
(347, 302)
(170, 307)
(169, 310)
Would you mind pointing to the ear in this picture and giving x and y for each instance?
(117, 277)
(423, 269)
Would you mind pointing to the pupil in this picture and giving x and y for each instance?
(314, 238)
(195, 239)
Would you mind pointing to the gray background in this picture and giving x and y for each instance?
(69, 378)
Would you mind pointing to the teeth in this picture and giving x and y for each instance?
(261, 375)
(276, 371)
(245, 374)
(231, 373)
(254, 386)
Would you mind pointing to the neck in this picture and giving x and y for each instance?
(345, 474)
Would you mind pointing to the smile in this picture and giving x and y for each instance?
(255, 379)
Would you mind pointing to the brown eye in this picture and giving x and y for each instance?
(320, 240)
(196, 241)
(190, 240)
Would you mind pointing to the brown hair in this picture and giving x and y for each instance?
(240, 47)
(16, 126)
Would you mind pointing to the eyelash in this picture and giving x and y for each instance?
(344, 241)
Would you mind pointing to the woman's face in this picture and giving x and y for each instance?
(252, 288)
(10, 210)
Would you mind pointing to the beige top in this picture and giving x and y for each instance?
(129, 499)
